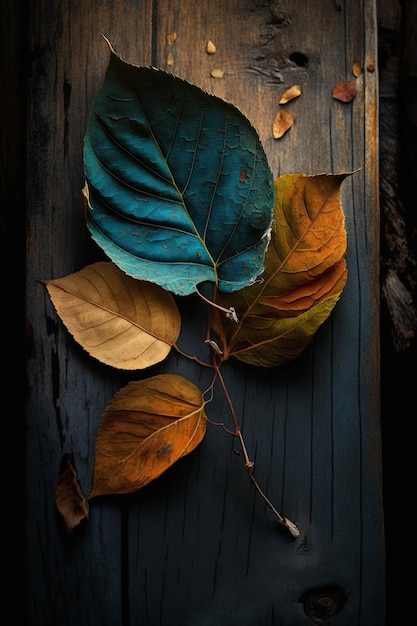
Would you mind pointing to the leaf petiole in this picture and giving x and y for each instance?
(230, 312)
(284, 522)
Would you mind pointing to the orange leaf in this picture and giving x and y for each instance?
(147, 427)
(123, 322)
(309, 293)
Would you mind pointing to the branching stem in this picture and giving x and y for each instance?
(284, 522)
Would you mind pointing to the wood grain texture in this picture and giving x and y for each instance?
(197, 546)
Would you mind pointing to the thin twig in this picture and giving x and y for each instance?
(284, 522)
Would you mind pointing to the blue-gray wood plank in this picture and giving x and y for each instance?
(198, 547)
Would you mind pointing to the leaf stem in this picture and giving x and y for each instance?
(191, 357)
(284, 522)
(230, 312)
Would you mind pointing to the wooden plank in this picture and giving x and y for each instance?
(198, 547)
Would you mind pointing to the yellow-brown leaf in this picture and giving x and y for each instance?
(147, 427)
(269, 342)
(126, 323)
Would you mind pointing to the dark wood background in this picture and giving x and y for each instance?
(197, 547)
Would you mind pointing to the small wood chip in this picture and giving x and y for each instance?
(171, 38)
(210, 48)
(217, 73)
(170, 59)
(282, 122)
(356, 69)
(290, 94)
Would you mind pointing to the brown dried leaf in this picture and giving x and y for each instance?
(290, 94)
(70, 502)
(345, 90)
(282, 122)
(123, 322)
(147, 427)
(356, 69)
(171, 38)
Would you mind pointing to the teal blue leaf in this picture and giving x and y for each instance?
(178, 185)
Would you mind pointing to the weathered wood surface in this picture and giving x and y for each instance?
(198, 547)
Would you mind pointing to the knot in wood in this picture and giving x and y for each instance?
(322, 603)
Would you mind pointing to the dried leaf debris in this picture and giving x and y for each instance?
(290, 94)
(282, 122)
(69, 498)
(345, 90)
(283, 119)
(210, 48)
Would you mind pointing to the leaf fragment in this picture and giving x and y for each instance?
(217, 73)
(282, 122)
(146, 428)
(70, 501)
(356, 69)
(210, 48)
(290, 94)
(122, 322)
(345, 90)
